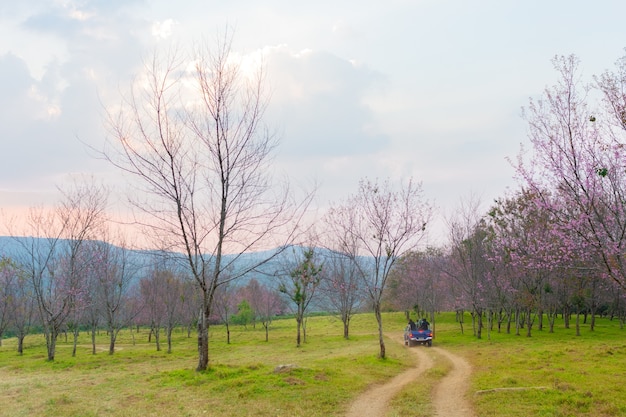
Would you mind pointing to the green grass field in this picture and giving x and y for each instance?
(556, 374)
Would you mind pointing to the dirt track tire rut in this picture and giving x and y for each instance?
(449, 396)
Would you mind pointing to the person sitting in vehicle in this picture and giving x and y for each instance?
(423, 324)
(412, 325)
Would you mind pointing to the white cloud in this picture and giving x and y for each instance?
(163, 29)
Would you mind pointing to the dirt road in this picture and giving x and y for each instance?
(448, 396)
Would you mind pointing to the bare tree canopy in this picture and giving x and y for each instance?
(191, 131)
(374, 228)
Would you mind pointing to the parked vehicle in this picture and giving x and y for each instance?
(422, 335)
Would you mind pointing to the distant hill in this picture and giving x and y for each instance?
(267, 274)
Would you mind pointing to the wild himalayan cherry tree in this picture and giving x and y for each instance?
(9, 274)
(160, 293)
(375, 227)
(112, 274)
(342, 288)
(417, 283)
(526, 245)
(265, 302)
(53, 255)
(21, 306)
(469, 266)
(225, 307)
(576, 168)
(191, 133)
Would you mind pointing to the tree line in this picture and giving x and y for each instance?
(557, 244)
(189, 136)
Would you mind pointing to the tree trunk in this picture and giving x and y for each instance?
(299, 325)
(381, 340)
(169, 339)
(529, 323)
(112, 337)
(508, 322)
(51, 344)
(93, 340)
(157, 338)
(20, 344)
(75, 342)
(551, 319)
(203, 340)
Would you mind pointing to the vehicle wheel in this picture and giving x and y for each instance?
(406, 342)
(430, 343)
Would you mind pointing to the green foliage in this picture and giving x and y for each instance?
(244, 315)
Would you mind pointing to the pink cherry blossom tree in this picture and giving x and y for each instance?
(266, 303)
(9, 274)
(374, 228)
(342, 288)
(53, 254)
(576, 166)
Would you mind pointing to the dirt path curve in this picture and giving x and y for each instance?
(449, 396)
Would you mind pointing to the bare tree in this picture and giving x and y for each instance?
(163, 292)
(265, 303)
(202, 156)
(112, 274)
(9, 274)
(416, 283)
(374, 228)
(225, 306)
(469, 266)
(342, 288)
(22, 308)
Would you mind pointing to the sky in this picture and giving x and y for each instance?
(428, 90)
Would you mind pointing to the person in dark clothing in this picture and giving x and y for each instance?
(412, 324)
(423, 324)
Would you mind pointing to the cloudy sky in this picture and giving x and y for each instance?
(389, 89)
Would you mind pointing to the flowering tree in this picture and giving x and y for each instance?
(8, 286)
(576, 169)
(265, 302)
(468, 264)
(53, 255)
(530, 248)
(225, 306)
(21, 306)
(112, 274)
(381, 223)
(417, 282)
(342, 288)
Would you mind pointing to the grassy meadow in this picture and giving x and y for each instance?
(556, 374)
